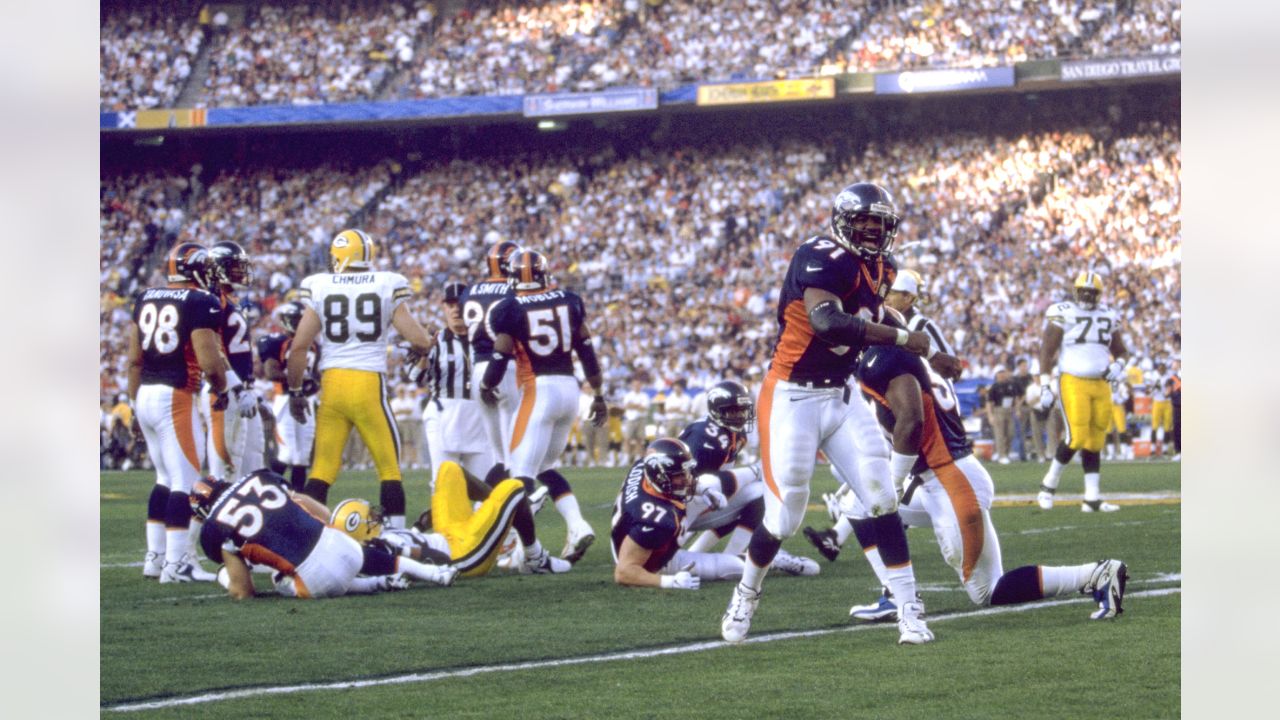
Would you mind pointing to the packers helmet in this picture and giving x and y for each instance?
(1088, 288)
(357, 518)
(351, 250)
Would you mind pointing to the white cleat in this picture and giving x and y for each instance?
(912, 629)
(737, 617)
(1045, 498)
(1106, 583)
(442, 575)
(177, 572)
(576, 544)
(1098, 505)
(152, 565)
(544, 564)
(795, 564)
(198, 572)
(392, 583)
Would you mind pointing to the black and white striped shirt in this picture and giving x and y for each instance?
(448, 372)
(919, 323)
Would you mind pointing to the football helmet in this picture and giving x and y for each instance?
(497, 259)
(204, 494)
(729, 405)
(351, 250)
(1088, 289)
(229, 264)
(189, 262)
(289, 315)
(357, 518)
(669, 466)
(527, 270)
(848, 219)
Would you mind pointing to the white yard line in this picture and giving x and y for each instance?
(583, 660)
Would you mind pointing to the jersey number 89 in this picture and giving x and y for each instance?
(337, 319)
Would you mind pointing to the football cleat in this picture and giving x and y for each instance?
(152, 565)
(884, 608)
(1098, 505)
(912, 629)
(538, 499)
(1045, 497)
(1106, 583)
(392, 583)
(737, 617)
(576, 544)
(795, 564)
(443, 575)
(198, 572)
(177, 572)
(544, 564)
(824, 541)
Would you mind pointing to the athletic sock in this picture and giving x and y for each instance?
(317, 489)
(567, 505)
(739, 539)
(704, 542)
(843, 528)
(1064, 579)
(1054, 475)
(177, 520)
(891, 541)
(298, 477)
(760, 553)
(1091, 482)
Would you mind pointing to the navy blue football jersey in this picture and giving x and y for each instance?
(275, 346)
(714, 447)
(257, 516)
(544, 326)
(651, 521)
(235, 338)
(798, 354)
(166, 318)
(943, 439)
(476, 303)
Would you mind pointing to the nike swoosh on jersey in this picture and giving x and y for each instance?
(811, 268)
(646, 529)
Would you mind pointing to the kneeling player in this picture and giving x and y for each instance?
(952, 494)
(257, 520)
(465, 538)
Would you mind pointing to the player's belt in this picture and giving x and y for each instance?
(825, 384)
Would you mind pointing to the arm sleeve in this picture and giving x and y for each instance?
(836, 326)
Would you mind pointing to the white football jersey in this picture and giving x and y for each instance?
(355, 311)
(1086, 338)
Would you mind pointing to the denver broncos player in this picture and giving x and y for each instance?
(542, 329)
(349, 311)
(476, 302)
(293, 439)
(1092, 352)
(258, 521)
(235, 443)
(731, 498)
(173, 341)
(466, 538)
(829, 309)
(952, 493)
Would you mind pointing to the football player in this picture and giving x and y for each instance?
(293, 439)
(1118, 432)
(258, 521)
(730, 500)
(476, 302)
(1161, 410)
(465, 538)
(453, 420)
(1092, 351)
(543, 329)
(829, 309)
(348, 311)
(173, 341)
(952, 492)
(235, 443)
(905, 296)
(648, 518)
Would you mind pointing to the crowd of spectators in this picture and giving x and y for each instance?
(679, 249)
(347, 50)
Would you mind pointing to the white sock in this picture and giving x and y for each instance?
(877, 566)
(364, 585)
(533, 550)
(1064, 579)
(844, 528)
(175, 544)
(1091, 486)
(753, 575)
(567, 505)
(193, 532)
(704, 542)
(739, 539)
(1054, 475)
(900, 467)
(155, 537)
(394, 521)
(902, 582)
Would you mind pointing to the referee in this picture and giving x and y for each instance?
(452, 418)
(903, 296)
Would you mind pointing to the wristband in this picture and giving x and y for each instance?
(667, 581)
(297, 392)
(902, 337)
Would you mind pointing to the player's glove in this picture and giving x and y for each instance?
(1046, 398)
(683, 580)
(708, 486)
(246, 401)
(1115, 372)
(299, 408)
(310, 387)
(599, 411)
(489, 396)
(219, 402)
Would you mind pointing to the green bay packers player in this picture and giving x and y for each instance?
(1083, 338)
(466, 538)
(348, 313)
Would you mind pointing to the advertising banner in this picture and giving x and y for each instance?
(823, 88)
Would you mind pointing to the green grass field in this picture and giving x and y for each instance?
(578, 646)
